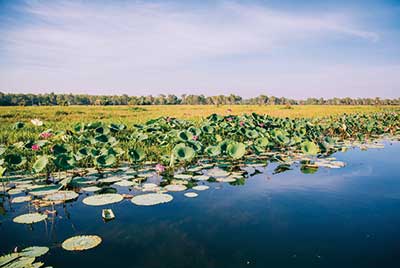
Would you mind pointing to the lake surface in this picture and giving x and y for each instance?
(348, 217)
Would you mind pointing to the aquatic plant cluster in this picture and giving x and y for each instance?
(165, 155)
(172, 142)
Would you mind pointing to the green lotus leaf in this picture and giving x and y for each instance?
(40, 163)
(261, 142)
(137, 154)
(236, 150)
(213, 151)
(309, 147)
(207, 129)
(116, 127)
(64, 161)
(105, 160)
(61, 149)
(34, 251)
(251, 134)
(2, 149)
(185, 135)
(195, 131)
(102, 138)
(18, 125)
(14, 160)
(183, 152)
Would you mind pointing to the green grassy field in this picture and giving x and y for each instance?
(61, 117)
(56, 115)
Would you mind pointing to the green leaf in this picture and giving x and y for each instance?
(137, 154)
(105, 160)
(183, 152)
(236, 150)
(40, 163)
(309, 147)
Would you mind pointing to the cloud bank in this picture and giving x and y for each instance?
(84, 46)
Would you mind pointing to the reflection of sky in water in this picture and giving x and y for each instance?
(333, 218)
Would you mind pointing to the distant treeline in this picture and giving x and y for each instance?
(77, 99)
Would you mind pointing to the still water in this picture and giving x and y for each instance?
(348, 217)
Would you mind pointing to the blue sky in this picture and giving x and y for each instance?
(295, 49)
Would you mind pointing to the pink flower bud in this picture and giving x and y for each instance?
(35, 147)
(160, 168)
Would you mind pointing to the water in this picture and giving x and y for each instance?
(347, 217)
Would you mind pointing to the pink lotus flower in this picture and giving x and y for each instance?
(241, 123)
(35, 147)
(229, 119)
(168, 119)
(45, 135)
(160, 168)
(261, 125)
(195, 138)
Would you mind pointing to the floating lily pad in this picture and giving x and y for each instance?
(91, 189)
(226, 179)
(8, 258)
(201, 187)
(217, 172)
(61, 196)
(124, 183)
(34, 251)
(21, 199)
(151, 199)
(175, 187)
(30, 218)
(102, 199)
(183, 176)
(201, 178)
(191, 195)
(81, 242)
(111, 179)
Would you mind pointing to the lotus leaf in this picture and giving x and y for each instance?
(236, 150)
(34, 251)
(191, 194)
(151, 199)
(81, 242)
(30, 218)
(102, 199)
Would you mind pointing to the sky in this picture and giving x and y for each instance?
(287, 48)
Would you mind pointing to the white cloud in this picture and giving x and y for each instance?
(82, 44)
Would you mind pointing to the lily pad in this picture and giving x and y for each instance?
(151, 199)
(91, 189)
(34, 251)
(61, 196)
(81, 242)
(175, 187)
(191, 195)
(21, 199)
(102, 199)
(30, 218)
(201, 187)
